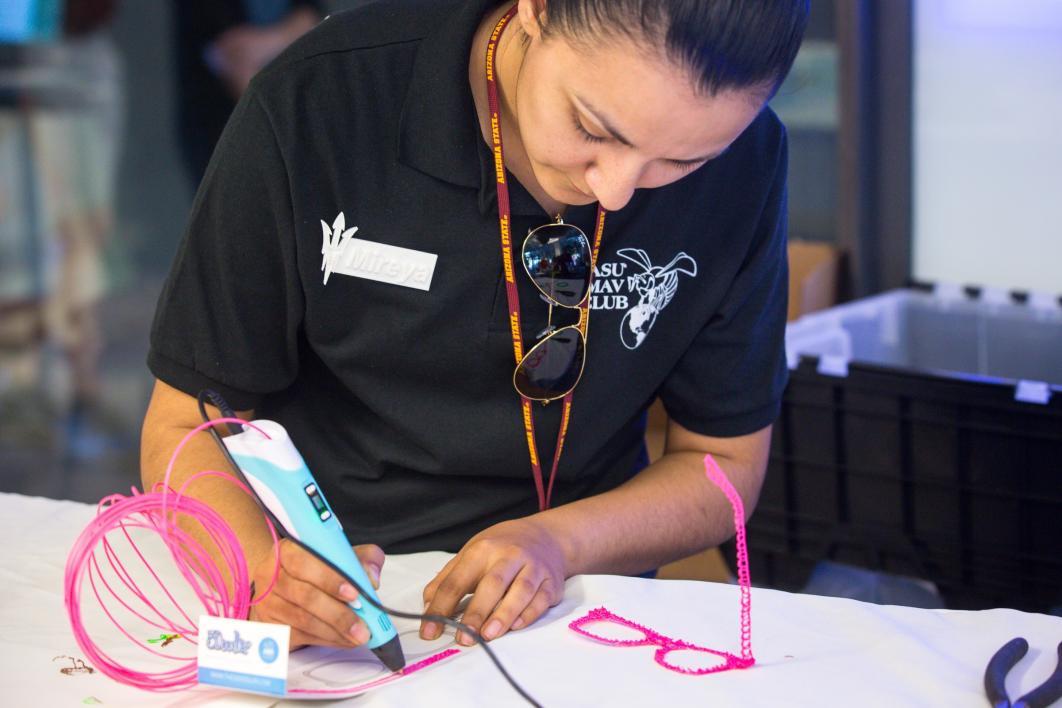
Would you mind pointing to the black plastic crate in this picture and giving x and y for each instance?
(921, 434)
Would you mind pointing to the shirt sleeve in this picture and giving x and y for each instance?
(231, 309)
(730, 380)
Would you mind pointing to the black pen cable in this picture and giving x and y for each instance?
(226, 411)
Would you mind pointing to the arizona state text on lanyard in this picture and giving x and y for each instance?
(505, 220)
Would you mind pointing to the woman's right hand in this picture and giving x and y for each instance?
(311, 598)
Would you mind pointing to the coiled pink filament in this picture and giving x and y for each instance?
(159, 511)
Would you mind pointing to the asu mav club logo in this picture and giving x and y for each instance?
(656, 286)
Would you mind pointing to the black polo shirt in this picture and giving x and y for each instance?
(400, 398)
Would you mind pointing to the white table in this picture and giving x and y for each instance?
(811, 651)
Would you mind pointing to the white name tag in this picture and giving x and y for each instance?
(383, 263)
(243, 656)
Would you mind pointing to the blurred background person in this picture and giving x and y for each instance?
(221, 45)
(92, 198)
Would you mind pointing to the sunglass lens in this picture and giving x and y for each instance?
(557, 256)
(553, 367)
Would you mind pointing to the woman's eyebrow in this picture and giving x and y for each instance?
(615, 133)
(605, 123)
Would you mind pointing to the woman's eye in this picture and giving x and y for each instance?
(686, 166)
(584, 133)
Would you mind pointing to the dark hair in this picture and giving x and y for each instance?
(724, 44)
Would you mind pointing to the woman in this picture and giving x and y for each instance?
(349, 271)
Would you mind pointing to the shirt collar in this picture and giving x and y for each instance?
(439, 129)
(439, 132)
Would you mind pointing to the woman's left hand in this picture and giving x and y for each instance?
(515, 571)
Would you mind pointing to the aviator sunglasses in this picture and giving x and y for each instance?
(557, 257)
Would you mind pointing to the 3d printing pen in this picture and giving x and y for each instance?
(279, 477)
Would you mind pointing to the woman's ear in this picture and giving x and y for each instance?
(532, 15)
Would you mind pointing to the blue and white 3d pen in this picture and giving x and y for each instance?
(276, 472)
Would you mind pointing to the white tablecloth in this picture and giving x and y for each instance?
(811, 651)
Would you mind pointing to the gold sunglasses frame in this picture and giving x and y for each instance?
(580, 327)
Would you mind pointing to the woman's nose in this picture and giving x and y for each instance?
(613, 182)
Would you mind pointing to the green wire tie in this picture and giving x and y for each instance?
(164, 638)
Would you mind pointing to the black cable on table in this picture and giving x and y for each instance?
(227, 412)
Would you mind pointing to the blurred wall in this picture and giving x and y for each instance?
(988, 150)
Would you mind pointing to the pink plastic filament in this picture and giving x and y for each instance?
(716, 475)
(95, 561)
(666, 644)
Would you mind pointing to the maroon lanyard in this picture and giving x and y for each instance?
(505, 221)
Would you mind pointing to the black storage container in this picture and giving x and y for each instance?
(921, 434)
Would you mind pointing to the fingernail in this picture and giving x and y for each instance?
(518, 623)
(430, 631)
(492, 629)
(465, 639)
(374, 574)
(347, 592)
(360, 633)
